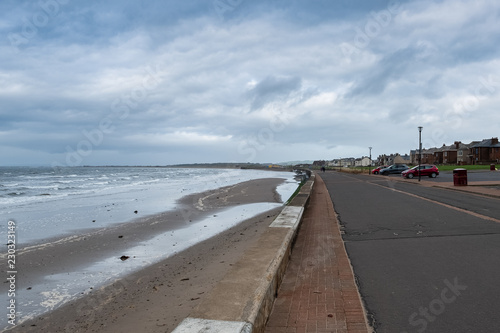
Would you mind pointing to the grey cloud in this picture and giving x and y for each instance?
(309, 12)
(94, 52)
(273, 88)
(391, 67)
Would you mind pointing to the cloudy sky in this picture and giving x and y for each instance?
(150, 82)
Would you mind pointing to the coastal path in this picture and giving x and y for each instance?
(318, 292)
(426, 258)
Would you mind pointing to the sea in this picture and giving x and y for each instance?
(39, 205)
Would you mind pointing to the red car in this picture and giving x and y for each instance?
(425, 170)
(376, 171)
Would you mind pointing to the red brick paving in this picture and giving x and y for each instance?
(318, 292)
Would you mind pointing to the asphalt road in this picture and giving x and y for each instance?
(447, 176)
(426, 259)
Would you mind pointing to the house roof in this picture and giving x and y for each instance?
(429, 151)
(400, 159)
(453, 147)
(487, 143)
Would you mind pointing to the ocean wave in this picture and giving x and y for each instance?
(13, 194)
(65, 182)
(67, 188)
(11, 184)
(40, 187)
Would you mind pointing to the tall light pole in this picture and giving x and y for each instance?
(419, 150)
(369, 171)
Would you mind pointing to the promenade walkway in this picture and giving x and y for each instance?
(318, 292)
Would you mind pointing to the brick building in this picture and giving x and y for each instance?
(485, 152)
(457, 153)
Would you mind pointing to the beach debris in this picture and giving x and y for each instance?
(195, 298)
(29, 288)
(135, 211)
(93, 220)
(185, 279)
(121, 236)
(123, 258)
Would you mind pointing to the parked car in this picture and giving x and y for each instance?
(425, 170)
(376, 171)
(395, 168)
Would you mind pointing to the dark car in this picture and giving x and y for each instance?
(395, 168)
(425, 170)
(376, 171)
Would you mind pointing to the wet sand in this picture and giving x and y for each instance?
(158, 297)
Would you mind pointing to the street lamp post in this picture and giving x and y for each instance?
(419, 150)
(369, 171)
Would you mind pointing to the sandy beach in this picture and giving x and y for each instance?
(158, 297)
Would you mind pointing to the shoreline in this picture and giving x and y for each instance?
(41, 261)
(80, 200)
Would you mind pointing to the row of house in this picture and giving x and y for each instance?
(393, 159)
(365, 161)
(476, 152)
(344, 162)
(486, 151)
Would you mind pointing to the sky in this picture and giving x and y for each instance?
(131, 82)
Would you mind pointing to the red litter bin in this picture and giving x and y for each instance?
(460, 177)
(492, 167)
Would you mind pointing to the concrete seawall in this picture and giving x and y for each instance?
(242, 301)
